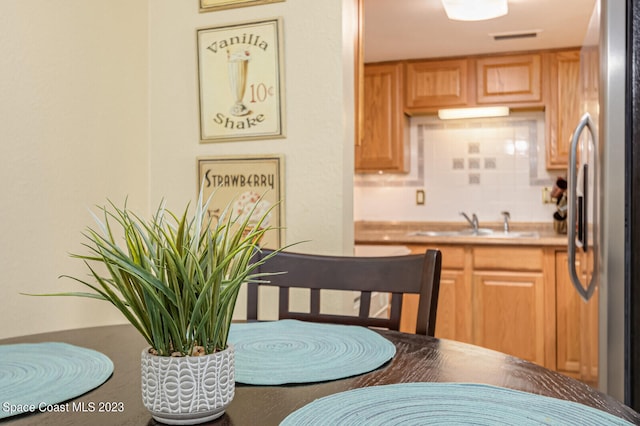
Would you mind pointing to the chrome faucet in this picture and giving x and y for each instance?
(473, 221)
(507, 216)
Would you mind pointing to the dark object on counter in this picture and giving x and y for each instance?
(559, 192)
(559, 223)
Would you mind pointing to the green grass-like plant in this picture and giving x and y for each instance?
(176, 278)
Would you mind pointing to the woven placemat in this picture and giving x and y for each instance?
(34, 376)
(289, 351)
(410, 404)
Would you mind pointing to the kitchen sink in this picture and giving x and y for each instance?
(482, 233)
(513, 234)
(458, 233)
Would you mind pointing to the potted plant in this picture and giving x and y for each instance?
(176, 280)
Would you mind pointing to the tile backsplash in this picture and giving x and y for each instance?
(477, 166)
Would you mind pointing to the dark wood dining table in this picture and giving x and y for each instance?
(418, 359)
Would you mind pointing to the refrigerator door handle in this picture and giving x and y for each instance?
(582, 221)
(584, 237)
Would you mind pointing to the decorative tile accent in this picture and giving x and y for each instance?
(474, 163)
(458, 164)
(510, 173)
(473, 148)
(490, 163)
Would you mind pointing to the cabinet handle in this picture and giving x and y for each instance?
(579, 203)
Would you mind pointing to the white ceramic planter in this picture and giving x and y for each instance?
(188, 390)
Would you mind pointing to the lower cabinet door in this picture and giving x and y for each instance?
(453, 313)
(509, 313)
(577, 325)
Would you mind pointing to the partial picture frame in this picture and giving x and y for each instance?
(241, 81)
(213, 5)
(252, 184)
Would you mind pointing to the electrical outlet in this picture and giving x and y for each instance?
(546, 196)
(420, 197)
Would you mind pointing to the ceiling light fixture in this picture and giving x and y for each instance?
(481, 112)
(475, 10)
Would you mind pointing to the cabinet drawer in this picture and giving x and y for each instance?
(508, 258)
(452, 256)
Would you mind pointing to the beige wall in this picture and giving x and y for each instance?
(318, 148)
(99, 100)
(318, 153)
(73, 131)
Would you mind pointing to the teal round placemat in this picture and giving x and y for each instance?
(410, 404)
(34, 376)
(289, 351)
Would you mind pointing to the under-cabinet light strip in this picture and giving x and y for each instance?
(458, 113)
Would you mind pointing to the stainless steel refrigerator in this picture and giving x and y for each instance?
(598, 219)
(631, 269)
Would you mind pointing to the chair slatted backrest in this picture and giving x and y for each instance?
(397, 275)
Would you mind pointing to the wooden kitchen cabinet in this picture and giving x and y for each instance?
(474, 81)
(517, 300)
(381, 147)
(509, 79)
(562, 82)
(564, 106)
(509, 313)
(508, 301)
(589, 73)
(436, 84)
(577, 324)
(489, 296)
(453, 319)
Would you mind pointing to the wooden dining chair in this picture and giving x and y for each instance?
(397, 275)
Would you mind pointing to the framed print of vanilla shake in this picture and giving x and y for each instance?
(241, 81)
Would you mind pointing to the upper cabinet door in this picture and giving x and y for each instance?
(434, 84)
(565, 108)
(382, 145)
(509, 79)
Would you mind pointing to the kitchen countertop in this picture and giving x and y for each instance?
(373, 232)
